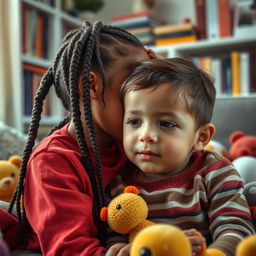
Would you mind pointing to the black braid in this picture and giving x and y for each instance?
(76, 114)
(32, 134)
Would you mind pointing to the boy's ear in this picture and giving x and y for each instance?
(205, 133)
(95, 86)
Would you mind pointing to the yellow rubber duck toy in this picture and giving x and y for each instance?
(127, 213)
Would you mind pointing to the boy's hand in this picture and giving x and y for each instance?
(196, 240)
(152, 54)
(119, 249)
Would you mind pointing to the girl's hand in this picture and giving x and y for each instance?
(197, 241)
(152, 54)
(118, 249)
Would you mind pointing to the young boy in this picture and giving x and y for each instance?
(167, 123)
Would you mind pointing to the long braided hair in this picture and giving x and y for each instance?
(81, 50)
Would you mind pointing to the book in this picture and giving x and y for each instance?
(235, 71)
(175, 34)
(130, 15)
(252, 60)
(244, 73)
(140, 30)
(172, 28)
(200, 11)
(216, 71)
(224, 18)
(226, 77)
(212, 19)
(175, 40)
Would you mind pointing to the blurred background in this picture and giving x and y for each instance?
(218, 35)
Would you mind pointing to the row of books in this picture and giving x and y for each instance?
(32, 76)
(214, 18)
(151, 30)
(35, 33)
(234, 73)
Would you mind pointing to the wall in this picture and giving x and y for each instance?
(171, 10)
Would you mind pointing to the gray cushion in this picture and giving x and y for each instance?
(232, 114)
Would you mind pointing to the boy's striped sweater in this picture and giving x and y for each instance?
(207, 195)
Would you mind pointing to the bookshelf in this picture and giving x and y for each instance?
(42, 25)
(214, 48)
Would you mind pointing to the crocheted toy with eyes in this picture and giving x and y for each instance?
(127, 213)
(168, 240)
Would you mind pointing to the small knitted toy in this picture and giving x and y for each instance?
(127, 213)
(161, 240)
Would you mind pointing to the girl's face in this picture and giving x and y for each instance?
(159, 132)
(108, 118)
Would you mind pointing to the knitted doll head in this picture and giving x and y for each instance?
(159, 240)
(247, 247)
(125, 211)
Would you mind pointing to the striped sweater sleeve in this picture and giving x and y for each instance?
(229, 215)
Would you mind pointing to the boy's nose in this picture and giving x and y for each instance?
(148, 136)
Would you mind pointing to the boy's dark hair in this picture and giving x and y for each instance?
(92, 46)
(184, 76)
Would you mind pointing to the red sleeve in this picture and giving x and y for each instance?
(58, 203)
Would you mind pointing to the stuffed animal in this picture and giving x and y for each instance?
(241, 145)
(247, 247)
(127, 213)
(159, 240)
(246, 167)
(217, 147)
(168, 240)
(9, 175)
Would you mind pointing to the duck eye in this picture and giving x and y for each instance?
(145, 252)
(118, 206)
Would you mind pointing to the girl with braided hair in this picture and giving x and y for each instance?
(62, 179)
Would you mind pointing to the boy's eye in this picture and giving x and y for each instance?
(134, 122)
(167, 124)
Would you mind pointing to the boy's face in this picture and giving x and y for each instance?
(159, 132)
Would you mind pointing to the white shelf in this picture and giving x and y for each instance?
(207, 47)
(57, 19)
(41, 6)
(36, 61)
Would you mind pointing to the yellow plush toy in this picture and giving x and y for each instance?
(127, 213)
(159, 240)
(9, 175)
(168, 240)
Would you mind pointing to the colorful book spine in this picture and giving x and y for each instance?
(212, 19)
(200, 10)
(224, 18)
(235, 68)
(130, 15)
(175, 40)
(216, 71)
(244, 73)
(163, 29)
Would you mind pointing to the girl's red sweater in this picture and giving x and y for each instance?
(58, 196)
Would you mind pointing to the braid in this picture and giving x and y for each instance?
(36, 116)
(76, 114)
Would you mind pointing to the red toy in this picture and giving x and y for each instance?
(241, 145)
